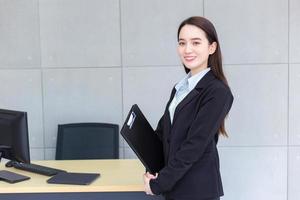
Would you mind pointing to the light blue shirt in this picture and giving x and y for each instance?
(183, 88)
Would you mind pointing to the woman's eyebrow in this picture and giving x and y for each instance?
(190, 39)
(195, 38)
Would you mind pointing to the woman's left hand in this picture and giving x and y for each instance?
(147, 178)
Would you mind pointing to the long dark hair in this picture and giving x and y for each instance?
(215, 59)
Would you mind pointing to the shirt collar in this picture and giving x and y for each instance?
(183, 82)
(190, 81)
(193, 80)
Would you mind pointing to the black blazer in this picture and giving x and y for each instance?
(191, 156)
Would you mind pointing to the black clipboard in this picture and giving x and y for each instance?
(142, 139)
(73, 178)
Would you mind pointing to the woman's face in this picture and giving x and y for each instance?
(194, 48)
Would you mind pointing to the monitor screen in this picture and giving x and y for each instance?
(14, 143)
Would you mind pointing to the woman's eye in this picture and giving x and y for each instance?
(196, 43)
(181, 43)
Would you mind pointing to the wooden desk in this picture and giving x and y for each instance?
(120, 179)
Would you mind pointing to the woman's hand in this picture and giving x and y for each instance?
(147, 178)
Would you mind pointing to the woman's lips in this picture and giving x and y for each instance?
(189, 58)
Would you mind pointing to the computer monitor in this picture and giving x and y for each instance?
(14, 144)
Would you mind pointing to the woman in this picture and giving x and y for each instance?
(193, 119)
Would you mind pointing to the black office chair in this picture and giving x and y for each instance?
(87, 141)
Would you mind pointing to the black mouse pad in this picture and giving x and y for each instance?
(73, 178)
(12, 177)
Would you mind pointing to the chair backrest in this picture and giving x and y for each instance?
(87, 141)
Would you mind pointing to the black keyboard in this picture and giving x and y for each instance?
(39, 169)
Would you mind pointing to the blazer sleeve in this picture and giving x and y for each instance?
(202, 131)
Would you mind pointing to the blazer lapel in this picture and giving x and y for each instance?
(184, 102)
(195, 92)
(171, 98)
(167, 114)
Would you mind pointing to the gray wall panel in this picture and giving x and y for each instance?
(254, 172)
(251, 31)
(294, 43)
(294, 175)
(259, 115)
(93, 95)
(50, 153)
(294, 106)
(21, 90)
(37, 154)
(80, 33)
(149, 30)
(19, 34)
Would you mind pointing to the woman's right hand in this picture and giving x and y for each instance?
(147, 178)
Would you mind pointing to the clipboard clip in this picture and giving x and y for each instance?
(131, 119)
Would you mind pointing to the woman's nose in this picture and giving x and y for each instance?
(188, 48)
